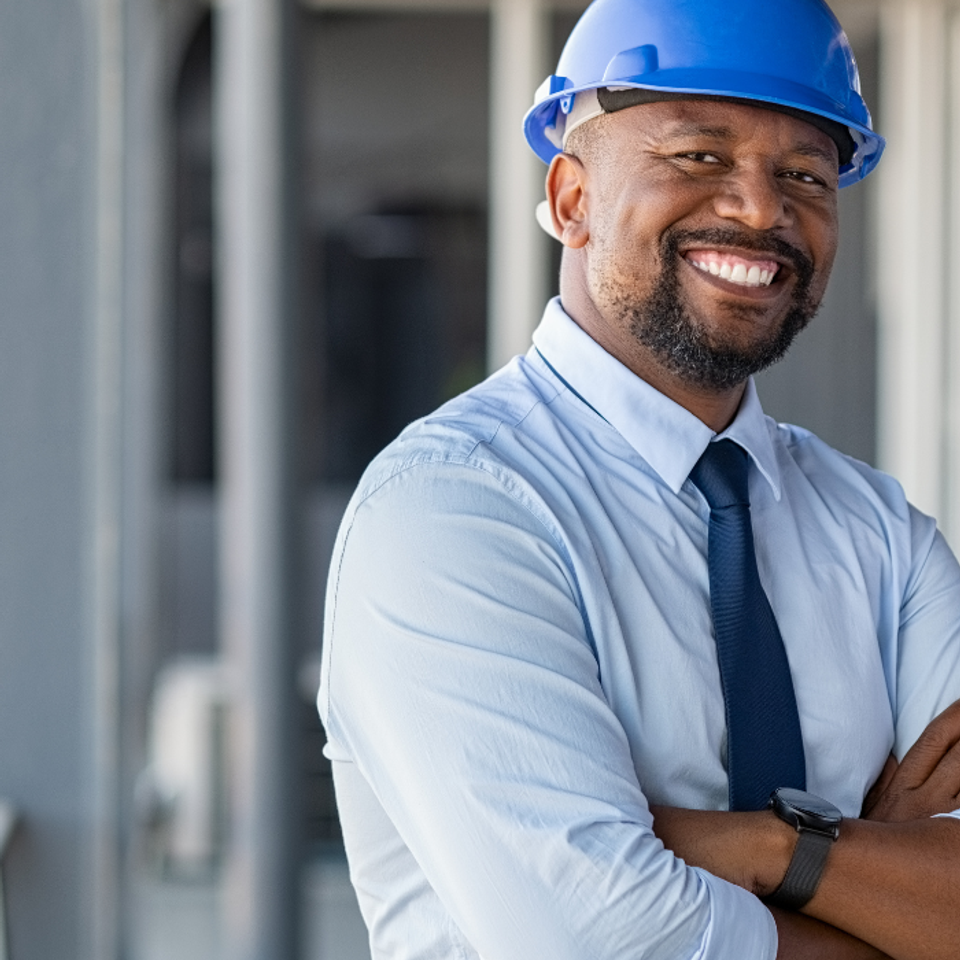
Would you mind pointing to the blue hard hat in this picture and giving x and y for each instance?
(791, 54)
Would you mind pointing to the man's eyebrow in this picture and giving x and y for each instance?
(692, 129)
(816, 153)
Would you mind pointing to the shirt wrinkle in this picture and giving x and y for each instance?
(510, 485)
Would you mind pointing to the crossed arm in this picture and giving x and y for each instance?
(891, 887)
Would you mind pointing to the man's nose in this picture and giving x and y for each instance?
(754, 198)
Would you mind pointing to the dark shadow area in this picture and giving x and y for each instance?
(192, 395)
(394, 148)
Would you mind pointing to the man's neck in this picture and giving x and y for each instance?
(715, 408)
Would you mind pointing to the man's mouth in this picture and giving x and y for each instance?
(734, 269)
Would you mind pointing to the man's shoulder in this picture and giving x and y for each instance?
(809, 450)
(835, 474)
(464, 430)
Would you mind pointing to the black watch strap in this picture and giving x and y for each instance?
(803, 875)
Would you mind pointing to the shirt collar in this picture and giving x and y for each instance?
(667, 436)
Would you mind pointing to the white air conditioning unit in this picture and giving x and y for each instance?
(181, 793)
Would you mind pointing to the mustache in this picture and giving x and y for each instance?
(758, 241)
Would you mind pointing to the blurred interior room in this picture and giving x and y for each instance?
(245, 245)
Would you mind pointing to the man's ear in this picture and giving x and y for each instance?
(566, 194)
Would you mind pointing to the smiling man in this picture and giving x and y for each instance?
(614, 665)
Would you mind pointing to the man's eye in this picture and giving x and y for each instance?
(803, 177)
(701, 157)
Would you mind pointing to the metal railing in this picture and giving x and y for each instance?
(8, 822)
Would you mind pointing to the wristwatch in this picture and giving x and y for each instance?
(818, 823)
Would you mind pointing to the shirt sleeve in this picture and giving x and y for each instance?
(460, 679)
(928, 652)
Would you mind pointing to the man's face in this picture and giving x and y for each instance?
(712, 231)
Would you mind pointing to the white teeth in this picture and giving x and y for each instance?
(754, 277)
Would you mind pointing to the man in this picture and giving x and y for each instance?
(534, 681)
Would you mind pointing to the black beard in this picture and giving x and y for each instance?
(662, 324)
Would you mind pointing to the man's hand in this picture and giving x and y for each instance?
(927, 782)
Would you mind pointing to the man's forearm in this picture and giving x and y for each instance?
(892, 880)
(803, 938)
(894, 885)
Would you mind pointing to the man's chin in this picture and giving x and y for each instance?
(713, 343)
(706, 363)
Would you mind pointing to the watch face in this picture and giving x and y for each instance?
(807, 803)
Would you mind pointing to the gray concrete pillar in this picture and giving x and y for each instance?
(61, 70)
(518, 247)
(912, 215)
(252, 59)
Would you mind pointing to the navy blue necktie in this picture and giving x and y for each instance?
(764, 745)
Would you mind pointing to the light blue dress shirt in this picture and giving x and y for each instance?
(519, 657)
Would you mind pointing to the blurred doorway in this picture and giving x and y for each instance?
(395, 144)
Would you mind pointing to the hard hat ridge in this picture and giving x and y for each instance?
(798, 61)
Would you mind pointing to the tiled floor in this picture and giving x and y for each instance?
(333, 927)
(180, 921)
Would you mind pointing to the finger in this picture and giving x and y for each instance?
(887, 774)
(945, 779)
(879, 788)
(932, 746)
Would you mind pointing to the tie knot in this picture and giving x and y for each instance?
(721, 475)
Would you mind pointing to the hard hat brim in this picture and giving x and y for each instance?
(541, 122)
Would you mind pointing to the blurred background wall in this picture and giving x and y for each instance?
(242, 247)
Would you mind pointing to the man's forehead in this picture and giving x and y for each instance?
(725, 121)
